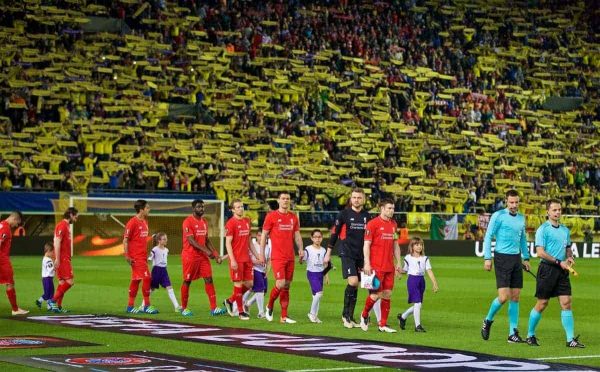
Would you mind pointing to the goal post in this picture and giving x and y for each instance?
(99, 229)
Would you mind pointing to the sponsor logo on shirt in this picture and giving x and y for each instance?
(285, 226)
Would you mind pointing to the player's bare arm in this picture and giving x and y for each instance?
(367, 254)
(232, 262)
(197, 246)
(263, 244)
(126, 250)
(213, 252)
(299, 243)
(398, 256)
(57, 242)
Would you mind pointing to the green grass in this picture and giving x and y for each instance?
(452, 317)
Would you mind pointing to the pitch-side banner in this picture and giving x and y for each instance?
(140, 361)
(384, 354)
(470, 248)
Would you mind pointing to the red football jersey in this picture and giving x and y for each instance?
(5, 241)
(382, 235)
(198, 229)
(281, 228)
(63, 232)
(136, 232)
(239, 229)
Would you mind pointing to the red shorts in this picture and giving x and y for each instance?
(196, 268)
(283, 269)
(386, 279)
(139, 270)
(243, 273)
(65, 270)
(6, 273)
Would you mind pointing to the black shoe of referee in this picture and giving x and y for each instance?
(515, 338)
(485, 329)
(575, 343)
(532, 341)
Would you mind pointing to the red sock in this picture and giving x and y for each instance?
(12, 298)
(185, 295)
(146, 290)
(233, 293)
(60, 292)
(237, 297)
(284, 301)
(385, 311)
(368, 306)
(133, 290)
(212, 295)
(273, 296)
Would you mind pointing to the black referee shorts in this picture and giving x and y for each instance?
(552, 281)
(351, 266)
(509, 271)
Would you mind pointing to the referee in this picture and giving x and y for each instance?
(349, 228)
(507, 226)
(552, 241)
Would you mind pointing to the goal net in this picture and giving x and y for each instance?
(101, 224)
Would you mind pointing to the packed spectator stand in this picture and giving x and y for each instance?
(441, 104)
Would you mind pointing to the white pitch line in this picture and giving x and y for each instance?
(333, 369)
(569, 357)
(55, 362)
(163, 359)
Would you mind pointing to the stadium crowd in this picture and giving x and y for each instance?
(441, 105)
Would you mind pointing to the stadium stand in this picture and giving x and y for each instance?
(443, 105)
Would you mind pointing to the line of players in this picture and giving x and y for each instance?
(365, 246)
(247, 261)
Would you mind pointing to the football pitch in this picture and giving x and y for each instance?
(452, 317)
